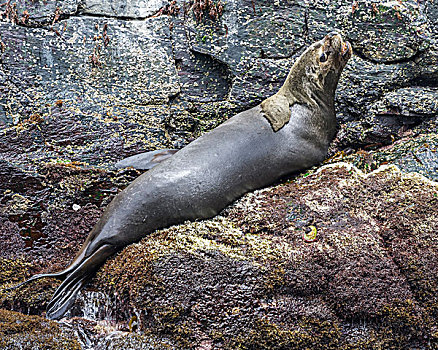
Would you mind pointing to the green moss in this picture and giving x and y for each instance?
(400, 323)
(31, 297)
(311, 334)
(371, 343)
(275, 278)
(18, 331)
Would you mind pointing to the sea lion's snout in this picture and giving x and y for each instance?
(334, 44)
(334, 39)
(346, 50)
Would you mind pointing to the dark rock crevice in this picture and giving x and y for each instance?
(217, 70)
(306, 23)
(414, 58)
(118, 17)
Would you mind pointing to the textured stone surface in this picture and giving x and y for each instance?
(85, 84)
(119, 75)
(36, 13)
(273, 30)
(129, 9)
(62, 104)
(411, 154)
(18, 331)
(246, 279)
(388, 31)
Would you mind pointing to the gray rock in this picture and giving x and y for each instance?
(419, 154)
(363, 82)
(324, 16)
(431, 12)
(243, 33)
(132, 9)
(235, 62)
(387, 31)
(263, 78)
(37, 13)
(423, 160)
(111, 84)
(408, 102)
(63, 67)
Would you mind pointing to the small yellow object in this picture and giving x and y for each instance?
(310, 236)
(133, 324)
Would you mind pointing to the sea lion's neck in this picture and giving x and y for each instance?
(305, 85)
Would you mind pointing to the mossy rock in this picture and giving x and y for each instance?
(248, 280)
(18, 331)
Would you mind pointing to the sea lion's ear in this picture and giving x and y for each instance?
(276, 110)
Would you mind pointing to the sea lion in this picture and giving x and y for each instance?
(286, 133)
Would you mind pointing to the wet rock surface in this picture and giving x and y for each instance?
(84, 84)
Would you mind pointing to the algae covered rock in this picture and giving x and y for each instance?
(387, 31)
(247, 279)
(97, 81)
(18, 331)
(415, 152)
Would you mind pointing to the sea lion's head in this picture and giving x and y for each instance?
(312, 80)
(321, 65)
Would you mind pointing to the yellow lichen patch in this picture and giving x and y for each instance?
(13, 271)
(17, 204)
(195, 239)
(309, 334)
(33, 296)
(218, 234)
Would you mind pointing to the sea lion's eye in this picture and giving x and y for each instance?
(323, 57)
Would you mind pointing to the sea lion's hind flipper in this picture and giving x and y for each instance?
(147, 160)
(65, 295)
(59, 275)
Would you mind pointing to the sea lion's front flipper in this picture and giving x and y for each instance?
(147, 160)
(65, 295)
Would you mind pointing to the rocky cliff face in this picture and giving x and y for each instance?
(84, 84)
